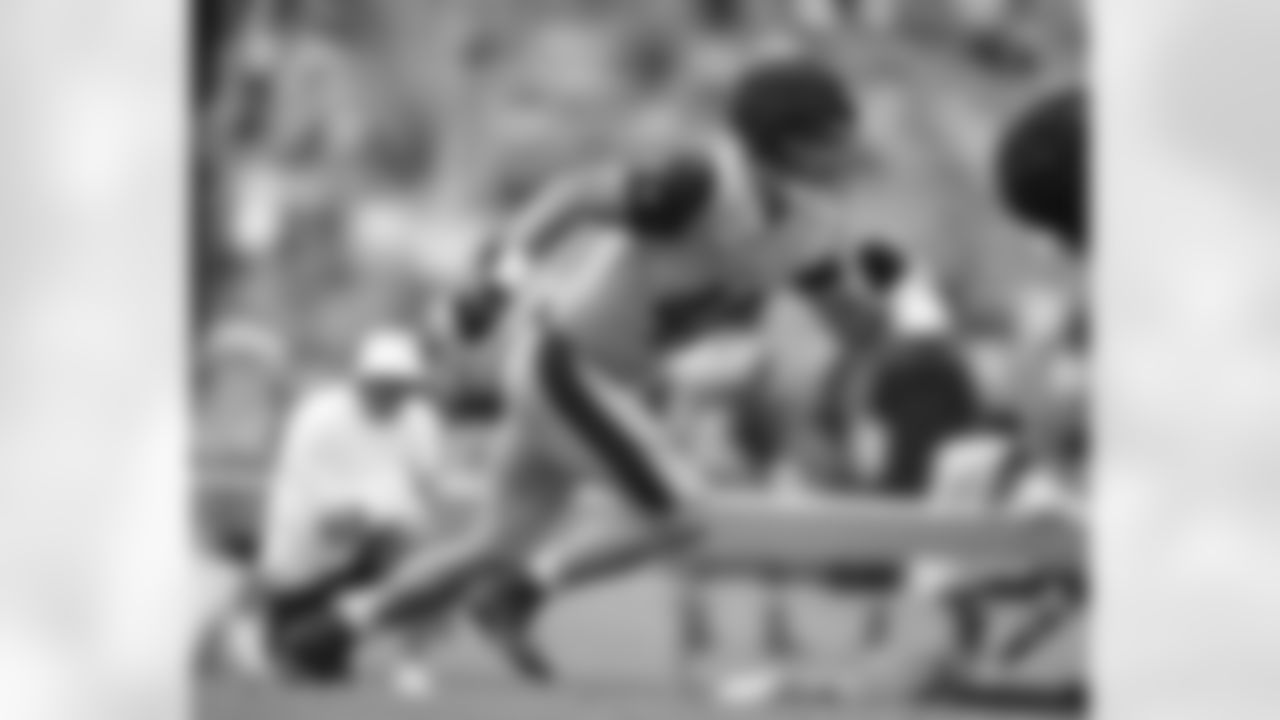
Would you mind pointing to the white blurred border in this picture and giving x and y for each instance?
(92, 495)
(92, 479)
(1189, 408)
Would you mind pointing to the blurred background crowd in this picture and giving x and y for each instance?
(351, 158)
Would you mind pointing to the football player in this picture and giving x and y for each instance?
(691, 241)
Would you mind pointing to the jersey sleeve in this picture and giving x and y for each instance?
(543, 226)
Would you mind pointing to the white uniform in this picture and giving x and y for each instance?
(342, 471)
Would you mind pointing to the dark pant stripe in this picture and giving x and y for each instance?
(629, 467)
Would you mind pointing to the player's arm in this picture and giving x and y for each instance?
(543, 226)
(535, 233)
(714, 372)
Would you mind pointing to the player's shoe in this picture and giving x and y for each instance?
(319, 646)
(507, 613)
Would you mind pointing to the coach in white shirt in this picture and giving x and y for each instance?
(357, 481)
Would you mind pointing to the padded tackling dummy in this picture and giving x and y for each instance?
(758, 532)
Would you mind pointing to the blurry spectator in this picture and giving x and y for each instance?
(724, 16)
(912, 397)
(242, 383)
(881, 16)
(924, 396)
(215, 28)
(400, 146)
(317, 119)
(920, 391)
(1025, 459)
(484, 50)
(724, 410)
(359, 477)
(212, 263)
(357, 25)
(991, 33)
(827, 15)
(651, 61)
(926, 21)
(919, 396)
(999, 472)
(312, 245)
(236, 347)
(240, 98)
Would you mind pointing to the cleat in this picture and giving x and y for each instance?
(319, 648)
(506, 615)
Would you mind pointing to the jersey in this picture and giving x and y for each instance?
(627, 302)
(340, 470)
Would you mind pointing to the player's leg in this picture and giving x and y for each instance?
(405, 652)
(533, 493)
(511, 605)
(612, 449)
(531, 496)
(435, 582)
(615, 551)
(662, 528)
(625, 443)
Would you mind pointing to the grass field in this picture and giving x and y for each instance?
(617, 651)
